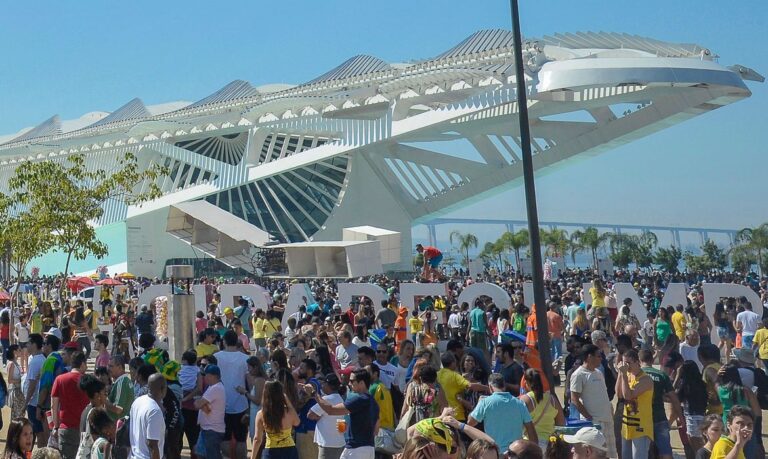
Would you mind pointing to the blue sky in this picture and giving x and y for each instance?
(75, 57)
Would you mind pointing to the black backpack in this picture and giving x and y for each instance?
(761, 381)
(463, 321)
(122, 446)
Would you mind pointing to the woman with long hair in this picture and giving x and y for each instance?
(16, 399)
(286, 379)
(276, 421)
(403, 361)
(692, 393)
(423, 394)
(502, 324)
(544, 407)
(666, 340)
(724, 332)
(597, 292)
(322, 356)
(18, 442)
(580, 325)
(255, 380)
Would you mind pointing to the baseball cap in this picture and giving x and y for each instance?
(331, 379)
(212, 370)
(597, 335)
(228, 310)
(589, 436)
(55, 332)
(71, 346)
(744, 355)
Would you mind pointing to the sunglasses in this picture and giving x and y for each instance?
(381, 352)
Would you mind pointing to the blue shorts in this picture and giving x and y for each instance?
(37, 425)
(435, 262)
(661, 438)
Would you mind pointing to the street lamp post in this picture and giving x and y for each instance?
(530, 200)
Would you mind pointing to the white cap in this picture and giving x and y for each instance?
(589, 436)
(55, 332)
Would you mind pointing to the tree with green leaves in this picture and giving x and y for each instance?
(25, 235)
(668, 258)
(493, 251)
(712, 258)
(70, 196)
(754, 240)
(465, 241)
(622, 249)
(556, 241)
(643, 248)
(591, 239)
(515, 242)
(742, 258)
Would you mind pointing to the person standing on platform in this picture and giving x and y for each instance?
(432, 259)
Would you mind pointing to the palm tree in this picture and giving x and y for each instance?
(465, 242)
(755, 240)
(515, 242)
(556, 241)
(590, 239)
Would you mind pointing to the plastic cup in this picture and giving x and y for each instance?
(341, 425)
(49, 417)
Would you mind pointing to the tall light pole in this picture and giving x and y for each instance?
(530, 201)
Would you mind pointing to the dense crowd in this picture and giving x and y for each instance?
(435, 379)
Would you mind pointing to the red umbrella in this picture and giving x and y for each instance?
(109, 281)
(4, 296)
(78, 283)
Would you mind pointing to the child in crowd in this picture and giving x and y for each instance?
(415, 324)
(102, 344)
(103, 433)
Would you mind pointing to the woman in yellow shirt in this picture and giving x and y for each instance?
(597, 292)
(276, 420)
(205, 346)
(258, 329)
(544, 407)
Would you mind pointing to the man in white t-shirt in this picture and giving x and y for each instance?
(327, 436)
(234, 367)
(750, 322)
(589, 394)
(30, 386)
(387, 371)
(211, 415)
(147, 424)
(689, 348)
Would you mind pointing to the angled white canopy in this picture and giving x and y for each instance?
(216, 232)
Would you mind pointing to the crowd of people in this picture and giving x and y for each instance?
(435, 379)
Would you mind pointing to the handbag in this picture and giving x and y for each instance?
(401, 431)
(385, 442)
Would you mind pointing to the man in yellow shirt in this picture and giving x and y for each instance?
(760, 342)
(416, 325)
(740, 425)
(455, 385)
(678, 322)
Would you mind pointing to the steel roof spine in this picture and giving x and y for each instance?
(132, 110)
(47, 128)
